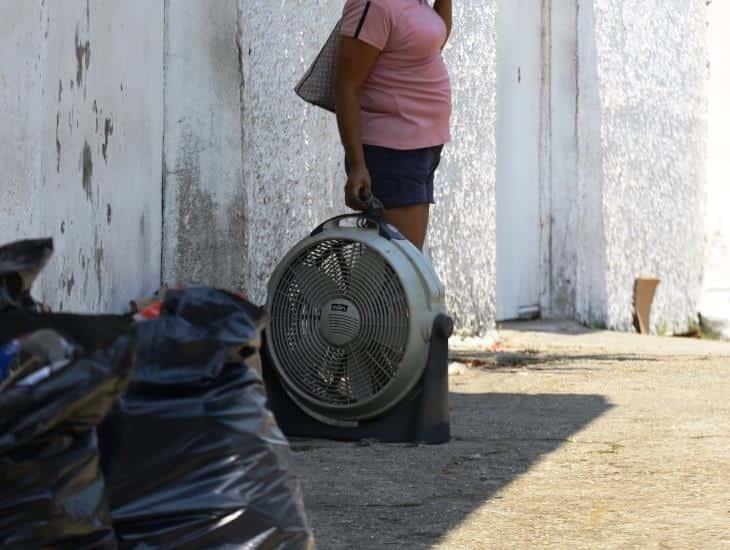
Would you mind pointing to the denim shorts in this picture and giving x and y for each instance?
(402, 178)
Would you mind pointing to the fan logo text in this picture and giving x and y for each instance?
(341, 308)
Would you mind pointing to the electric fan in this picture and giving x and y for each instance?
(357, 347)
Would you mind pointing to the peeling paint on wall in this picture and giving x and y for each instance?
(87, 171)
(83, 58)
(56, 182)
(108, 131)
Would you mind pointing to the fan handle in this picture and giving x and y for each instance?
(375, 206)
(373, 217)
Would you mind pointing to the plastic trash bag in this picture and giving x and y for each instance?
(20, 264)
(193, 457)
(52, 492)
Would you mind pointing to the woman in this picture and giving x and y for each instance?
(394, 106)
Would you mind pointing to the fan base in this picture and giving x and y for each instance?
(422, 417)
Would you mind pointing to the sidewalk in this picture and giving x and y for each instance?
(562, 437)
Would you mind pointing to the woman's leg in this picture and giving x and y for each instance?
(411, 221)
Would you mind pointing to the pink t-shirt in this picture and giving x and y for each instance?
(406, 100)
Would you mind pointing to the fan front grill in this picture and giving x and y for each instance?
(339, 291)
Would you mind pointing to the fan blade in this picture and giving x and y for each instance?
(360, 382)
(315, 286)
(368, 273)
(343, 266)
(380, 362)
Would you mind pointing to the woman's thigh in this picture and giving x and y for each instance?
(411, 221)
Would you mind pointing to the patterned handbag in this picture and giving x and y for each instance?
(317, 86)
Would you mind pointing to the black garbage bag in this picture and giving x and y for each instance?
(20, 264)
(52, 492)
(193, 457)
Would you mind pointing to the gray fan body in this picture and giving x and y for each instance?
(351, 320)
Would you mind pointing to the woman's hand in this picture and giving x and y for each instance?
(357, 189)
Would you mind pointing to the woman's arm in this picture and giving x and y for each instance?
(443, 8)
(356, 60)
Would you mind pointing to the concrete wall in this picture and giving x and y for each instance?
(463, 229)
(293, 165)
(204, 222)
(22, 68)
(292, 159)
(81, 144)
(559, 190)
(642, 122)
(716, 297)
(184, 119)
(519, 144)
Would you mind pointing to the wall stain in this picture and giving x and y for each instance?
(83, 58)
(108, 131)
(108, 213)
(142, 225)
(70, 285)
(204, 254)
(98, 263)
(63, 228)
(58, 144)
(60, 90)
(87, 170)
(85, 264)
(198, 258)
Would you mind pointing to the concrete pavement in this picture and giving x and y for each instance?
(562, 437)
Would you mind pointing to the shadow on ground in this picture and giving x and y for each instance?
(533, 359)
(405, 496)
(549, 326)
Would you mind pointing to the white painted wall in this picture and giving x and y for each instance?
(204, 197)
(716, 289)
(642, 122)
(559, 190)
(519, 140)
(293, 165)
(82, 161)
(249, 169)
(591, 301)
(463, 227)
(292, 161)
(22, 69)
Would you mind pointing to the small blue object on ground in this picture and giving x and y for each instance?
(8, 352)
